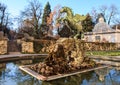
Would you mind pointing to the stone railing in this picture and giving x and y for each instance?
(27, 47)
(3, 46)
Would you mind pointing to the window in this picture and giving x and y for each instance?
(97, 38)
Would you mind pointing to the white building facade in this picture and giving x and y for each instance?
(103, 33)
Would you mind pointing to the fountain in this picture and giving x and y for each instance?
(65, 58)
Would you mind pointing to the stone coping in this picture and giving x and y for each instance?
(20, 55)
(26, 69)
(17, 57)
(108, 58)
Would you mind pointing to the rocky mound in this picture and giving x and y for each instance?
(65, 56)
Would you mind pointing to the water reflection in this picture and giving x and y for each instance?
(110, 76)
(11, 75)
(71, 80)
(102, 73)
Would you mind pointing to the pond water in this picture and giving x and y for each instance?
(10, 74)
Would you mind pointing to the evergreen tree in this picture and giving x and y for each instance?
(47, 11)
(87, 24)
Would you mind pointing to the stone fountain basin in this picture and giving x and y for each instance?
(26, 69)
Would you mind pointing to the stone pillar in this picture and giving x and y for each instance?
(27, 47)
(3, 46)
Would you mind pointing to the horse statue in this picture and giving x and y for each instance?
(73, 22)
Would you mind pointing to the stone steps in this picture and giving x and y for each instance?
(14, 53)
(12, 46)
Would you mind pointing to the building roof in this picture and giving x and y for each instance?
(102, 27)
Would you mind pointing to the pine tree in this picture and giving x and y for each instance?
(47, 11)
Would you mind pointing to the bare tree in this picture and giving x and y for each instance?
(94, 14)
(109, 13)
(2, 12)
(117, 20)
(113, 12)
(5, 20)
(103, 9)
(3, 15)
(33, 12)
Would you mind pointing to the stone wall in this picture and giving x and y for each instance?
(41, 46)
(3, 46)
(27, 47)
(118, 46)
(96, 46)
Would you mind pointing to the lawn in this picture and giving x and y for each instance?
(103, 53)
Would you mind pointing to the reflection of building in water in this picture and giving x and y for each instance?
(102, 73)
(103, 33)
(117, 68)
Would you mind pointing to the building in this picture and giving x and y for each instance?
(102, 32)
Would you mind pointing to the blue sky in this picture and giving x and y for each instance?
(78, 6)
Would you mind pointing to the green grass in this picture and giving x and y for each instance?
(103, 53)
